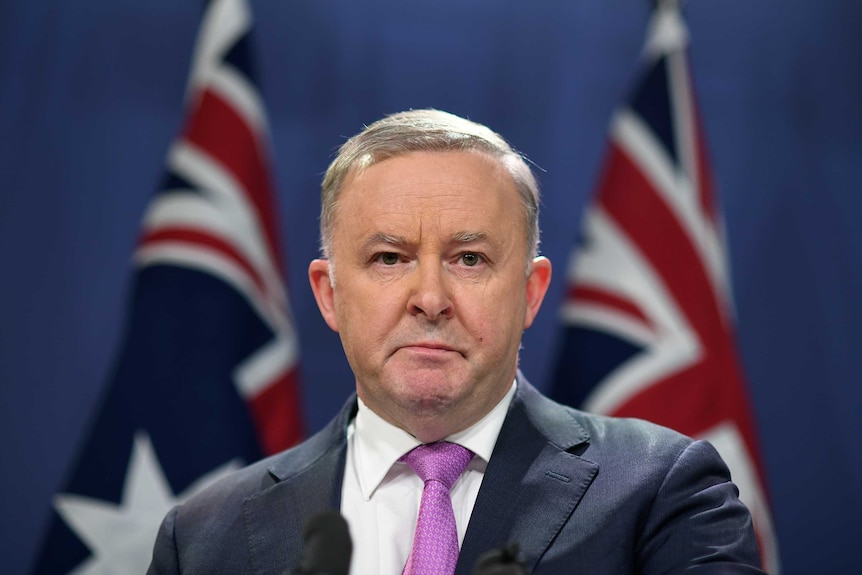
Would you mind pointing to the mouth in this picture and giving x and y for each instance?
(431, 349)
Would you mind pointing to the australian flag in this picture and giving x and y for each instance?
(206, 380)
(648, 319)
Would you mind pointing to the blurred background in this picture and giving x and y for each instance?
(92, 96)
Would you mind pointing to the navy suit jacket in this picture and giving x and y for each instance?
(579, 493)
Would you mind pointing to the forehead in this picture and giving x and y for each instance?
(422, 196)
(447, 185)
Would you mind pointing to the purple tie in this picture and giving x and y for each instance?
(435, 544)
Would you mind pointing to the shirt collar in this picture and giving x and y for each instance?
(379, 444)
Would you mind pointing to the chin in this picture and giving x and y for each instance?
(425, 393)
(428, 405)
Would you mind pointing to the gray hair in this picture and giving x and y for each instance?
(426, 131)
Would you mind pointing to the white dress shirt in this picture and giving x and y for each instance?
(380, 496)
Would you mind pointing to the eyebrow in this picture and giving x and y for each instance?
(468, 237)
(380, 238)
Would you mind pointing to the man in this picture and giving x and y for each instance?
(430, 274)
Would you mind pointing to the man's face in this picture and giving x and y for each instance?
(430, 296)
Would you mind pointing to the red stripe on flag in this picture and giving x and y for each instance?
(630, 199)
(216, 128)
(208, 241)
(269, 411)
(704, 174)
(580, 293)
(703, 179)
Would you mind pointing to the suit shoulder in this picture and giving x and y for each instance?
(259, 476)
(228, 493)
(263, 474)
(608, 427)
(631, 436)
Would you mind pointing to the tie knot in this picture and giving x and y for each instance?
(441, 461)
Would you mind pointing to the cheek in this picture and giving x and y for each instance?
(497, 322)
(493, 305)
(488, 326)
(366, 316)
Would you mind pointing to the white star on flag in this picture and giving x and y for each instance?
(121, 536)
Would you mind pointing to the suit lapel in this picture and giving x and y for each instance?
(305, 481)
(532, 484)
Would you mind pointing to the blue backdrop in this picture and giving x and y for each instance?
(92, 95)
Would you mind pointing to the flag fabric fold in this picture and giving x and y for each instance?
(206, 379)
(648, 319)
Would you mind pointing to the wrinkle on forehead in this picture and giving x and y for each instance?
(437, 199)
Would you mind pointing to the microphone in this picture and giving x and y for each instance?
(327, 546)
(502, 561)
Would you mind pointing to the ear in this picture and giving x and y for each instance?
(324, 294)
(537, 286)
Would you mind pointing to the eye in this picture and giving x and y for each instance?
(470, 259)
(388, 258)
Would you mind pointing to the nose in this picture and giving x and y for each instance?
(429, 295)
